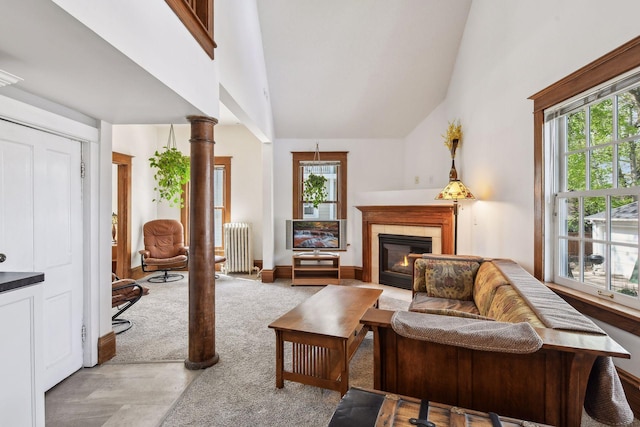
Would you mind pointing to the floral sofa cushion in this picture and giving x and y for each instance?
(509, 306)
(467, 286)
(446, 277)
(488, 280)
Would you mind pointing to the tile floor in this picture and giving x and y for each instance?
(117, 395)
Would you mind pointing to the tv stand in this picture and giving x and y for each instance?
(317, 252)
(315, 269)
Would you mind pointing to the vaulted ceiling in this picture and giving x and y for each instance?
(335, 68)
(355, 68)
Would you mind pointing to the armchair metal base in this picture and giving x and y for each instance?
(121, 325)
(166, 277)
(124, 293)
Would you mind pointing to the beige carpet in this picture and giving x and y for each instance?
(243, 305)
(240, 389)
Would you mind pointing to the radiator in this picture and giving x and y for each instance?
(237, 247)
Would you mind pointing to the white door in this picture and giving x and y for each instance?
(41, 230)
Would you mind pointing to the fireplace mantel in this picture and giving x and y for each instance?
(419, 215)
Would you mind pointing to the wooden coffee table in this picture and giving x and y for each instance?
(324, 332)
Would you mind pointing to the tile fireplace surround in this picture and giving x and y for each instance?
(424, 221)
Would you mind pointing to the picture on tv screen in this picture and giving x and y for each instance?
(316, 234)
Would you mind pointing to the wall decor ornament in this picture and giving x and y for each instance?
(454, 132)
(452, 139)
(173, 171)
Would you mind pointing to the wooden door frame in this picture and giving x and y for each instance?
(123, 249)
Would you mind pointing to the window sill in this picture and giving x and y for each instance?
(625, 318)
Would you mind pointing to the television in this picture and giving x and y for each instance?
(315, 236)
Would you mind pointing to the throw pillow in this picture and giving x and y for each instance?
(450, 278)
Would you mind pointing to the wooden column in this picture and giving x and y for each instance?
(202, 344)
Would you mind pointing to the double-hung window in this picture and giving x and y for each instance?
(333, 167)
(221, 199)
(592, 143)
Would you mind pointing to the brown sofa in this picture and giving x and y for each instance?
(485, 334)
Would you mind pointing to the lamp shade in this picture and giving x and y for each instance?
(455, 190)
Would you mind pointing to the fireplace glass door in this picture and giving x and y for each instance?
(394, 250)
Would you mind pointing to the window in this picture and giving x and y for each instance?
(197, 16)
(587, 135)
(333, 166)
(222, 199)
(221, 202)
(595, 142)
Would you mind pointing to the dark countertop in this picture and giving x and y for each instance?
(14, 280)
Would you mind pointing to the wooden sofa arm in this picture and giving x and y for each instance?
(377, 317)
(599, 345)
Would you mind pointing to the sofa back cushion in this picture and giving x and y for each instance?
(446, 276)
(422, 303)
(488, 280)
(509, 306)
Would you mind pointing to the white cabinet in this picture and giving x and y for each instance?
(21, 357)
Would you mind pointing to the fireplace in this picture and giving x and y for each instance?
(407, 220)
(394, 266)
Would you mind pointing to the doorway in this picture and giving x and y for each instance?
(121, 217)
(41, 213)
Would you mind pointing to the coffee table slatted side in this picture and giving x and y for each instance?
(324, 332)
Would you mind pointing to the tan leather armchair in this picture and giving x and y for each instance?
(164, 249)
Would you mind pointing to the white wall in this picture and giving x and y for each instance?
(426, 157)
(511, 50)
(373, 165)
(243, 74)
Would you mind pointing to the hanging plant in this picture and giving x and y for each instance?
(173, 171)
(314, 190)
